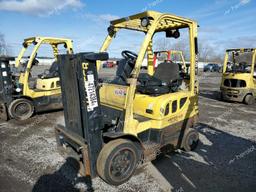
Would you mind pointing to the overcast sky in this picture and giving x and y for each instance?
(223, 23)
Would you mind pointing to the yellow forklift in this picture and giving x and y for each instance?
(116, 126)
(23, 93)
(239, 76)
(175, 56)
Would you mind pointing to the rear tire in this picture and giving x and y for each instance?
(191, 139)
(117, 161)
(249, 100)
(221, 96)
(21, 109)
(3, 112)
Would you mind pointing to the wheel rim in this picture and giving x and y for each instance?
(122, 164)
(22, 109)
(192, 140)
(250, 100)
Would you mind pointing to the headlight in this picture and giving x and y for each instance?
(176, 34)
(144, 22)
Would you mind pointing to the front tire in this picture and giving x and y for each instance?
(221, 98)
(21, 109)
(191, 139)
(249, 100)
(117, 161)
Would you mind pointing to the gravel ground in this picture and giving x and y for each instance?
(29, 161)
(225, 159)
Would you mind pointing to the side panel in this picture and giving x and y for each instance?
(48, 103)
(172, 134)
(113, 95)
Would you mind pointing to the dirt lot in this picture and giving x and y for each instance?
(225, 159)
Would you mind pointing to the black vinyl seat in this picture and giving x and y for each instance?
(51, 73)
(166, 79)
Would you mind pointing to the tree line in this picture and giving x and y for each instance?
(207, 53)
(3, 47)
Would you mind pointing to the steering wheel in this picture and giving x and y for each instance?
(129, 55)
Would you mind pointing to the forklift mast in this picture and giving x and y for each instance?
(82, 110)
(6, 86)
(5, 78)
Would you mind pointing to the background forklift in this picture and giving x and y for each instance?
(117, 125)
(239, 76)
(166, 55)
(170, 55)
(22, 93)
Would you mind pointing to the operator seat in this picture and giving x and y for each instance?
(166, 79)
(123, 72)
(51, 73)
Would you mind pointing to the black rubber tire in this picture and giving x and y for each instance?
(221, 96)
(108, 158)
(249, 100)
(28, 109)
(3, 112)
(190, 140)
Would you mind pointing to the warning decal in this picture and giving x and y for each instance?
(91, 93)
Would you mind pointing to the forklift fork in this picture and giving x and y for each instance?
(83, 148)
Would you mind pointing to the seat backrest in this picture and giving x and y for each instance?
(53, 72)
(123, 72)
(167, 72)
(54, 67)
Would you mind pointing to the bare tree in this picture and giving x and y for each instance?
(217, 58)
(182, 45)
(208, 53)
(3, 48)
(164, 44)
(205, 51)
